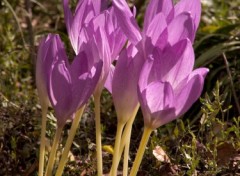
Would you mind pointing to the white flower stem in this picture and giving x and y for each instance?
(126, 155)
(116, 155)
(97, 104)
(70, 138)
(138, 159)
(126, 141)
(42, 141)
(56, 140)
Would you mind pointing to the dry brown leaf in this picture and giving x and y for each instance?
(160, 154)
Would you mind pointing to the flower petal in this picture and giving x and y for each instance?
(114, 35)
(59, 91)
(56, 76)
(124, 84)
(192, 6)
(159, 96)
(145, 74)
(176, 63)
(127, 21)
(84, 12)
(185, 29)
(157, 104)
(162, 117)
(41, 70)
(188, 94)
(85, 76)
(67, 15)
(108, 83)
(155, 30)
(154, 7)
(104, 54)
(200, 71)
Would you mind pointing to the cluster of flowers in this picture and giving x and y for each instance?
(154, 68)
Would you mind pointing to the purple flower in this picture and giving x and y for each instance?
(85, 11)
(170, 12)
(68, 86)
(161, 20)
(159, 32)
(101, 51)
(127, 21)
(88, 17)
(43, 64)
(125, 81)
(93, 18)
(108, 22)
(168, 85)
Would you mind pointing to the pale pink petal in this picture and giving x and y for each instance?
(127, 21)
(145, 74)
(60, 91)
(154, 7)
(67, 15)
(192, 6)
(104, 54)
(188, 94)
(41, 71)
(85, 78)
(157, 102)
(181, 27)
(124, 84)
(108, 83)
(199, 71)
(178, 63)
(156, 27)
(159, 96)
(162, 117)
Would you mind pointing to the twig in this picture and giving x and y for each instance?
(16, 18)
(28, 5)
(32, 168)
(8, 101)
(39, 4)
(231, 82)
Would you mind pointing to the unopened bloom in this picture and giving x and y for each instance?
(43, 64)
(125, 81)
(68, 86)
(169, 86)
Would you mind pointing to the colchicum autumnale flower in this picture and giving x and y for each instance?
(69, 86)
(93, 18)
(84, 12)
(125, 81)
(161, 20)
(156, 42)
(168, 85)
(90, 17)
(125, 98)
(184, 16)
